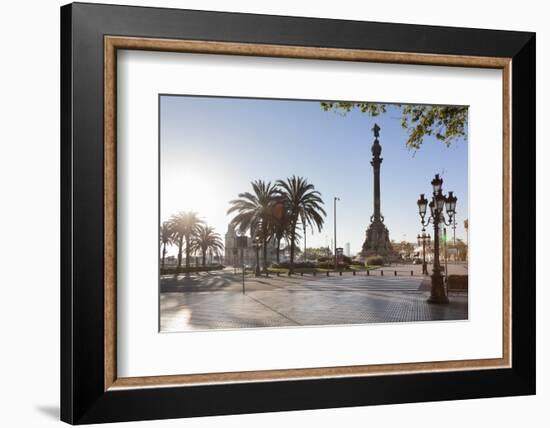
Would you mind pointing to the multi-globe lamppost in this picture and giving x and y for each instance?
(422, 240)
(437, 205)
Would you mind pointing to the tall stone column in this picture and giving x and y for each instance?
(377, 240)
(376, 162)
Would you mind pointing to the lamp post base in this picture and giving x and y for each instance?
(437, 294)
(439, 300)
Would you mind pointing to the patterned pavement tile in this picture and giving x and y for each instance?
(216, 302)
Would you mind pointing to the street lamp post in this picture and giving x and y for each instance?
(336, 198)
(422, 239)
(437, 205)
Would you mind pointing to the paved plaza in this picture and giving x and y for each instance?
(215, 301)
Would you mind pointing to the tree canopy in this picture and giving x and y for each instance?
(445, 123)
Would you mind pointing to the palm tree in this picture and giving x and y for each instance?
(185, 226)
(280, 225)
(303, 203)
(206, 239)
(255, 212)
(304, 222)
(166, 238)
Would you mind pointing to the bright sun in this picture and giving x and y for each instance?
(188, 189)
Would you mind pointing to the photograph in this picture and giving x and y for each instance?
(296, 213)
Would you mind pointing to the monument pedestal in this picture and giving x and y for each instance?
(377, 241)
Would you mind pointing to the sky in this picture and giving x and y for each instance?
(211, 148)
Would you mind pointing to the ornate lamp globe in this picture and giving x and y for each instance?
(440, 201)
(437, 182)
(450, 204)
(422, 204)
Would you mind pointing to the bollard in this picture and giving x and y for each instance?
(278, 273)
(301, 274)
(353, 273)
(381, 273)
(394, 273)
(288, 273)
(412, 273)
(314, 273)
(368, 272)
(340, 272)
(328, 273)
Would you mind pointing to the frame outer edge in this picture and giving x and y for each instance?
(66, 181)
(524, 219)
(82, 400)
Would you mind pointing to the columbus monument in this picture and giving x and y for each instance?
(377, 241)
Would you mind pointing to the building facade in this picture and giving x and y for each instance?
(235, 256)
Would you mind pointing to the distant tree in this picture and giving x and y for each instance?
(303, 202)
(407, 247)
(316, 253)
(206, 240)
(185, 226)
(446, 123)
(166, 238)
(403, 247)
(462, 249)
